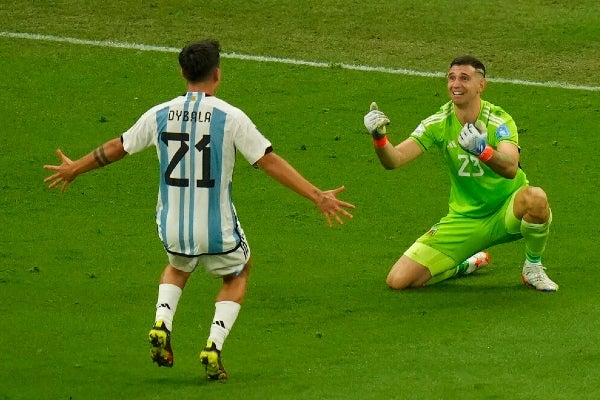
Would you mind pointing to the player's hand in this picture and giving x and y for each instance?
(330, 206)
(375, 122)
(473, 137)
(62, 174)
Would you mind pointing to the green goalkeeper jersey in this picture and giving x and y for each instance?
(476, 191)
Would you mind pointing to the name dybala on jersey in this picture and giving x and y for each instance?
(476, 190)
(196, 137)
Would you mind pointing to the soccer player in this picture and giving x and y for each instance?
(490, 202)
(196, 137)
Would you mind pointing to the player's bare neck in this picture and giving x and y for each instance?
(203, 87)
(467, 112)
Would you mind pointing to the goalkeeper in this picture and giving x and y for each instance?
(490, 201)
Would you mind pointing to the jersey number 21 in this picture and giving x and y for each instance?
(204, 152)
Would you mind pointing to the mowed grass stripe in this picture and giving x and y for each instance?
(365, 68)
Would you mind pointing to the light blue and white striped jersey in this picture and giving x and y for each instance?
(196, 137)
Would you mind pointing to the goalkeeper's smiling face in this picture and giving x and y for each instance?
(465, 84)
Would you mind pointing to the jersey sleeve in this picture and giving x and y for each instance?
(420, 136)
(501, 127)
(248, 139)
(430, 132)
(142, 134)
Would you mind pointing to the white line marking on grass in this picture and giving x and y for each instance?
(399, 71)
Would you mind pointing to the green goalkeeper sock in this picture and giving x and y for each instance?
(536, 236)
(462, 268)
(443, 276)
(458, 270)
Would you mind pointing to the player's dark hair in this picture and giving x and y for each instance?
(469, 60)
(198, 60)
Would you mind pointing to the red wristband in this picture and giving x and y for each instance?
(486, 154)
(380, 142)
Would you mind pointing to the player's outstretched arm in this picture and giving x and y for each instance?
(68, 170)
(395, 157)
(280, 170)
(390, 157)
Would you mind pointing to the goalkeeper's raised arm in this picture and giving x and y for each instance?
(390, 157)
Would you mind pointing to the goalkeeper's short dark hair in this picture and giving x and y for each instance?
(198, 60)
(469, 60)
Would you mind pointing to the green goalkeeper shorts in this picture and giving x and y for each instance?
(456, 237)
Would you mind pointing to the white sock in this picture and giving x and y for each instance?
(226, 313)
(166, 305)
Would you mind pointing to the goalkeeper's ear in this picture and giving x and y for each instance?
(373, 106)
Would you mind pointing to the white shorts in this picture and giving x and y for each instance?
(218, 265)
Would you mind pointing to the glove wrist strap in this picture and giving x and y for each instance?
(486, 154)
(380, 142)
(376, 135)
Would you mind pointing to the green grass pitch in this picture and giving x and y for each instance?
(79, 271)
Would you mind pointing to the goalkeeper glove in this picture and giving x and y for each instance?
(472, 138)
(375, 122)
